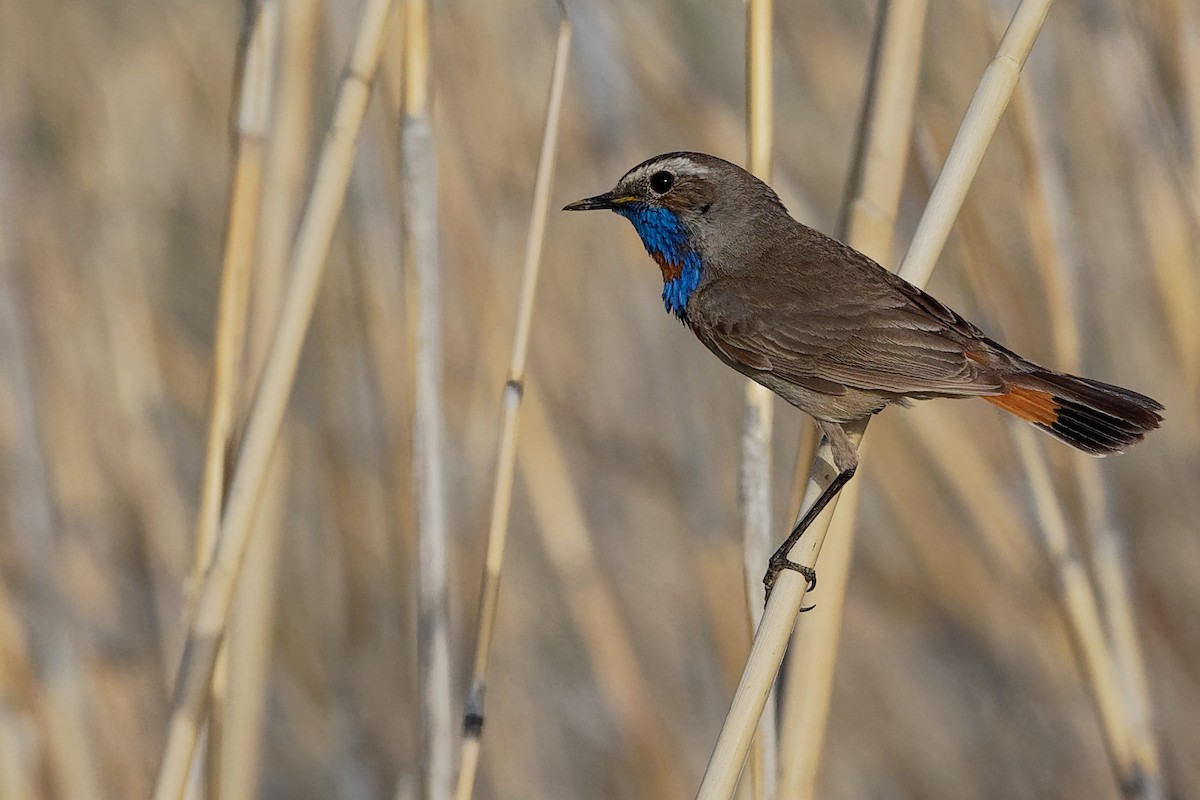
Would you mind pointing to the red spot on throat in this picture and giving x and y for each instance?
(670, 270)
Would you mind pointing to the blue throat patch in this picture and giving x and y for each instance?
(666, 241)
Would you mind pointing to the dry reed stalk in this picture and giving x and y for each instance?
(754, 475)
(1159, 169)
(806, 450)
(1044, 201)
(381, 275)
(1049, 233)
(980, 489)
(810, 668)
(473, 716)
(754, 480)
(207, 626)
(285, 181)
(253, 102)
(567, 541)
(419, 153)
(1140, 103)
(1175, 232)
(1140, 766)
(1171, 238)
(377, 194)
(873, 200)
(1117, 713)
(378, 199)
(247, 652)
(1147, 107)
(252, 93)
(1079, 600)
(239, 687)
(971, 141)
(978, 126)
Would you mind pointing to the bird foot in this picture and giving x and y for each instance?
(778, 564)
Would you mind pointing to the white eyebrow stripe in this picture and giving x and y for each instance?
(684, 166)
(678, 165)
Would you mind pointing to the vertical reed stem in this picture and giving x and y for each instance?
(207, 626)
(421, 247)
(754, 479)
(253, 93)
(978, 126)
(473, 716)
(1126, 726)
(872, 201)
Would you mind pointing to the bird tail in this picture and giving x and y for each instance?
(1095, 417)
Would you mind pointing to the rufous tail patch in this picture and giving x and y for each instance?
(1032, 405)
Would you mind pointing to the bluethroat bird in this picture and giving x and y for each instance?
(828, 329)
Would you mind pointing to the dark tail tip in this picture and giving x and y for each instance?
(1095, 417)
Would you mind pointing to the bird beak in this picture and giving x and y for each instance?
(600, 201)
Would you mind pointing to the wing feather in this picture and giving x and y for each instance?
(890, 337)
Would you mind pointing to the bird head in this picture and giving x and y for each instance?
(679, 188)
(687, 208)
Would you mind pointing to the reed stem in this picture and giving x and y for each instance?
(207, 625)
(754, 476)
(473, 717)
(978, 126)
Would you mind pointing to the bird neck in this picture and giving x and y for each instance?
(667, 241)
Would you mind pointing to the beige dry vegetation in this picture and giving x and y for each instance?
(621, 619)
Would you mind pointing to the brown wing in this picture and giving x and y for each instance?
(886, 335)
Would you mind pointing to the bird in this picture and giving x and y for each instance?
(830, 330)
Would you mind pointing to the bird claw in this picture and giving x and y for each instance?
(778, 564)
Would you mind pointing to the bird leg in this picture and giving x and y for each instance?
(845, 459)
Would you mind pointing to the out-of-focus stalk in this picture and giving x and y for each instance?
(419, 152)
(873, 198)
(976, 131)
(489, 596)
(207, 626)
(754, 476)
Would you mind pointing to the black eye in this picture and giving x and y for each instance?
(661, 182)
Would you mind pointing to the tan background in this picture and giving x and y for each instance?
(956, 677)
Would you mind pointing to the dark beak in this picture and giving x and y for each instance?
(600, 201)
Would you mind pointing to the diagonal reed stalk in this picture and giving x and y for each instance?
(873, 199)
(473, 716)
(207, 625)
(1112, 652)
(253, 103)
(1107, 648)
(253, 93)
(1079, 603)
(419, 151)
(754, 476)
(1076, 590)
(978, 126)
(239, 686)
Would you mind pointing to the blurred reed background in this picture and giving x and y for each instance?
(621, 625)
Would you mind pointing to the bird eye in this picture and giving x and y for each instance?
(661, 182)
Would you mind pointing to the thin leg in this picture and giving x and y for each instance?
(780, 561)
(845, 457)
